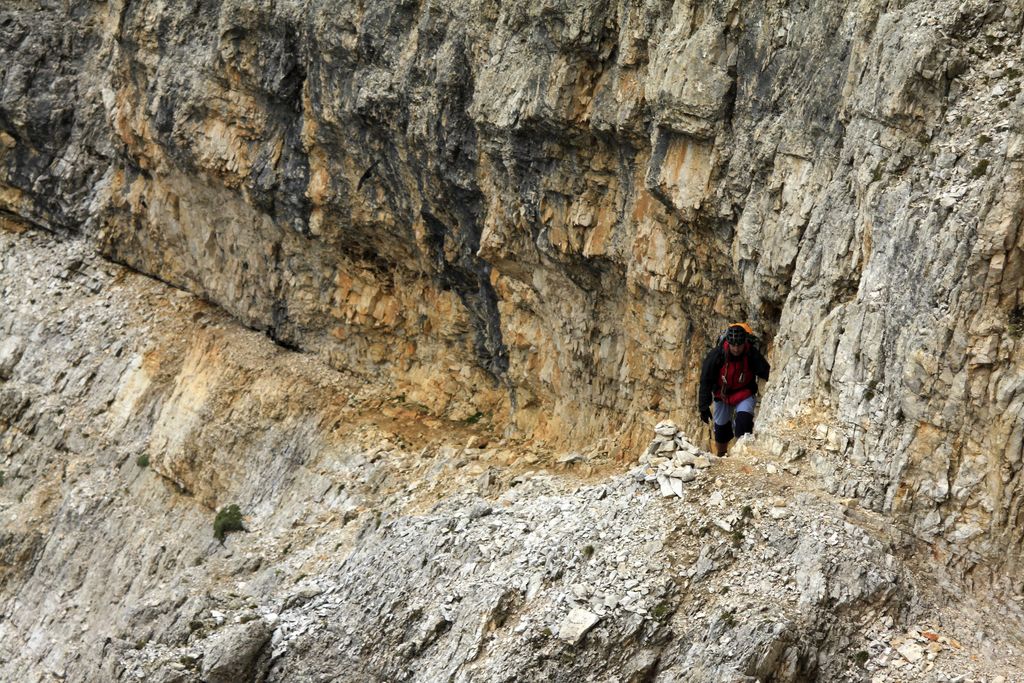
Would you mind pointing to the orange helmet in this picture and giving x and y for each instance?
(738, 334)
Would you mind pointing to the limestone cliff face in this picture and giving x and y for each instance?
(378, 547)
(540, 213)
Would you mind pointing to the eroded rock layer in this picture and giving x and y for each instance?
(537, 216)
(375, 546)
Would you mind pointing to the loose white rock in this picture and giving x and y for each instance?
(667, 447)
(11, 350)
(684, 473)
(684, 458)
(723, 525)
(666, 487)
(666, 428)
(576, 624)
(912, 652)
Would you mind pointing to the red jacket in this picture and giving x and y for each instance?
(737, 375)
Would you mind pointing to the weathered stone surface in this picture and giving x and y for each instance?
(530, 216)
(364, 553)
(667, 429)
(576, 624)
(556, 209)
(231, 654)
(11, 350)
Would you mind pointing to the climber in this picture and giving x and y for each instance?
(730, 373)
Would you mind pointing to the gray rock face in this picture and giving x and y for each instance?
(232, 653)
(534, 216)
(565, 203)
(11, 350)
(369, 558)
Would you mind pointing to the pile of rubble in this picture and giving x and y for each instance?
(671, 460)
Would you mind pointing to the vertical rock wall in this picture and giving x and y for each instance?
(541, 213)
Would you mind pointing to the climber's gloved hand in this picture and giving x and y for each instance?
(705, 414)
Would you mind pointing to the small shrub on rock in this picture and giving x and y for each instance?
(662, 610)
(142, 460)
(228, 519)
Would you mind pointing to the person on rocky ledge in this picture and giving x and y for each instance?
(729, 374)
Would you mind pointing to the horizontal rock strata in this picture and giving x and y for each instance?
(533, 218)
(555, 209)
(374, 549)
